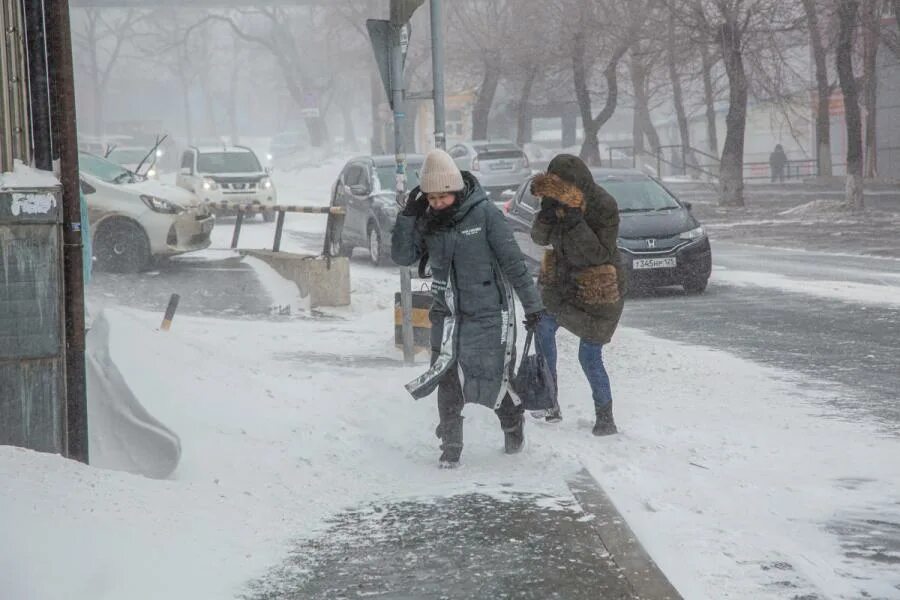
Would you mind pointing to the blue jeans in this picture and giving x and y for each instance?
(590, 355)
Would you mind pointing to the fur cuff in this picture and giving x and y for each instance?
(550, 185)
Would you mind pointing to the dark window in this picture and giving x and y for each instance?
(228, 162)
(187, 161)
(387, 176)
(529, 201)
(356, 175)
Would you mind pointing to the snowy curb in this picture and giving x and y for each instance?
(646, 579)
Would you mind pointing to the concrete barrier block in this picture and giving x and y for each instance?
(325, 285)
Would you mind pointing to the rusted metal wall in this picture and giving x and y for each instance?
(32, 409)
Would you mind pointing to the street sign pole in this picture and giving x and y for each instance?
(437, 69)
(399, 107)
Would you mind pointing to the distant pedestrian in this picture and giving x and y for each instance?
(777, 163)
(476, 264)
(582, 281)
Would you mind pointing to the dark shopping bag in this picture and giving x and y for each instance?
(534, 383)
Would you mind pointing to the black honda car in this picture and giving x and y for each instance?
(660, 240)
(365, 189)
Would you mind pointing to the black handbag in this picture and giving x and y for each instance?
(534, 383)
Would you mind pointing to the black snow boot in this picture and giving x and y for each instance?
(514, 435)
(554, 415)
(450, 434)
(605, 424)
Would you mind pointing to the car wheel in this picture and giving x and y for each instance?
(695, 284)
(121, 247)
(376, 249)
(339, 248)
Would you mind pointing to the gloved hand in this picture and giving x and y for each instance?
(571, 217)
(548, 210)
(532, 319)
(416, 204)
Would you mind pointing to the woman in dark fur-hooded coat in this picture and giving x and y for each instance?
(582, 280)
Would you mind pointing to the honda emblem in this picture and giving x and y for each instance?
(651, 243)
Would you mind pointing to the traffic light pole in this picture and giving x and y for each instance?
(437, 69)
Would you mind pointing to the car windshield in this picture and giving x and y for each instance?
(130, 156)
(105, 170)
(228, 162)
(388, 182)
(638, 195)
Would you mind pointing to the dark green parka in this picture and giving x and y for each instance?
(582, 280)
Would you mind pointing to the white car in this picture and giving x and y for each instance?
(227, 175)
(137, 159)
(133, 219)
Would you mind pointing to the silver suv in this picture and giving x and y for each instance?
(499, 166)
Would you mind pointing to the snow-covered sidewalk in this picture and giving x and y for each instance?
(735, 477)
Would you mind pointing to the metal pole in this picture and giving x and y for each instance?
(62, 96)
(279, 227)
(437, 69)
(238, 221)
(397, 90)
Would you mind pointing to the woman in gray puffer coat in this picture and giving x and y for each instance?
(476, 264)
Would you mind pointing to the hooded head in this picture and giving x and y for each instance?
(567, 180)
(572, 169)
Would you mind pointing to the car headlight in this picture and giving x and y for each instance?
(693, 234)
(269, 157)
(210, 184)
(159, 152)
(162, 205)
(266, 183)
(151, 173)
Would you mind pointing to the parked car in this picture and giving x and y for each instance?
(137, 159)
(229, 174)
(133, 219)
(661, 242)
(498, 166)
(365, 188)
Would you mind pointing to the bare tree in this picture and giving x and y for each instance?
(871, 35)
(99, 40)
(673, 51)
(709, 97)
(733, 25)
(623, 22)
(848, 19)
(484, 26)
(823, 88)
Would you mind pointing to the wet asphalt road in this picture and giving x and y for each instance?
(855, 345)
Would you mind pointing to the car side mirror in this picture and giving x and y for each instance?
(359, 189)
(688, 205)
(87, 188)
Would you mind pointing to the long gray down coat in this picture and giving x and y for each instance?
(475, 264)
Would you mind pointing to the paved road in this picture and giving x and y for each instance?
(856, 344)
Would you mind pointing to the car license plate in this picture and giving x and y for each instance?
(655, 263)
(501, 166)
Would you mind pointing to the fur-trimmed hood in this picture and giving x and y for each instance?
(550, 185)
(567, 179)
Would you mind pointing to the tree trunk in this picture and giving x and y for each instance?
(731, 176)
(523, 110)
(871, 30)
(847, 21)
(481, 112)
(709, 98)
(687, 154)
(349, 129)
(233, 94)
(823, 91)
(590, 148)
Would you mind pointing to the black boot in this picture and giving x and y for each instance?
(450, 434)
(514, 435)
(605, 424)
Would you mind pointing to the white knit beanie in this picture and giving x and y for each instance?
(440, 174)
